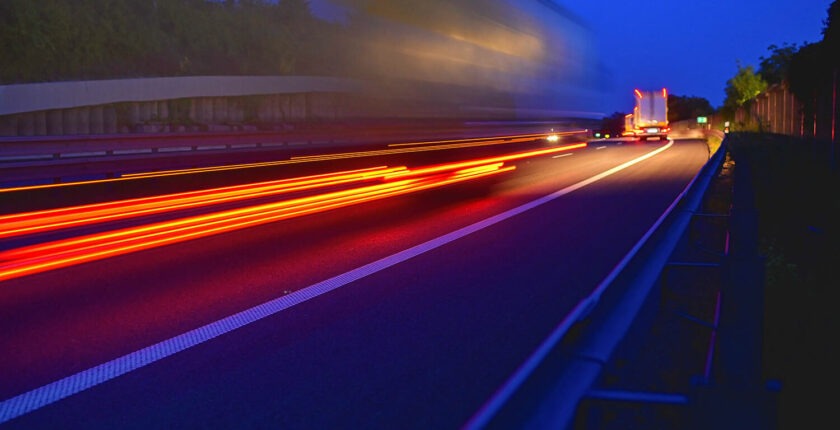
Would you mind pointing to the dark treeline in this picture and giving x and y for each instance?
(687, 107)
(50, 40)
(813, 69)
(810, 70)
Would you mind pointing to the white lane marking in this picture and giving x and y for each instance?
(132, 151)
(50, 393)
(487, 411)
(174, 148)
(563, 155)
(82, 154)
(601, 147)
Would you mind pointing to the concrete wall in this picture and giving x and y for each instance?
(15, 99)
(229, 103)
(213, 103)
(178, 115)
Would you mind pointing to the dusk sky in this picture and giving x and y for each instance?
(691, 47)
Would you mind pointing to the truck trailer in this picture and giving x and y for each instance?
(629, 126)
(650, 115)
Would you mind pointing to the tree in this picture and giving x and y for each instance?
(831, 31)
(687, 107)
(813, 66)
(613, 124)
(52, 40)
(774, 69)
(809, 71)
(742, 89)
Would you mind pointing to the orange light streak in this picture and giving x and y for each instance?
(467, 140)
(167, 226)
(479, 169)
(344, 155)
(262, 213)
(62, 253)
(449, 144)
(39, 258)
(515, 136)
(490, 160)
(95, 246)
(174, 172)
(487, 141)
(146, 175)
(48, 220)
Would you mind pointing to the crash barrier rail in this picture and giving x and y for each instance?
(71, 148)
(23, 160)
(597, 325)
(96, 146)
(57, 148)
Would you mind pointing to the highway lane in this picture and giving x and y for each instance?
(31, 161)
(141, 175)
(423, 343)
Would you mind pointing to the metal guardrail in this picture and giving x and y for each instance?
(74, 147)
(104, 155)
(58, 148)
(606, 323)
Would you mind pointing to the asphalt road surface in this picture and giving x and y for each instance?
(408, 312)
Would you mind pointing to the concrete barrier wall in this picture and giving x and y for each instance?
(214, 114)
(195, 114)
(15, 99)
(212, 103)
(230, 103)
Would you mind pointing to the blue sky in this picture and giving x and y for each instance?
(691, 46)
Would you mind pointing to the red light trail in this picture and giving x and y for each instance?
(47, 220)
(368, 184)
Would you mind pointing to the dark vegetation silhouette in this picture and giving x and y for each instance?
(56, 40)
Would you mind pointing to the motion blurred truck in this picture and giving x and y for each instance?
(650, 115)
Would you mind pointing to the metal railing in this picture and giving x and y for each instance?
(599, 323)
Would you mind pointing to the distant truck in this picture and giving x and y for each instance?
(650, 115)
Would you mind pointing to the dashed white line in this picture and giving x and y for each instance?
(82, 154)
(601, 147)
(174, 148)
(562, 155)
(132, 151)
